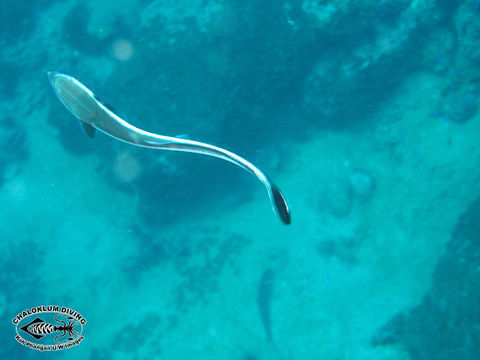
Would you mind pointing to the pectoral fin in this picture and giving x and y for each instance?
(89, 129)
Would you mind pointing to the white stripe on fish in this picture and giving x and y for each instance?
(93, 114)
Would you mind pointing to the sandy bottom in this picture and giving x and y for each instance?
(337, 278)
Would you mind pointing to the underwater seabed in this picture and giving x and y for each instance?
(372, 212)
(170, 256)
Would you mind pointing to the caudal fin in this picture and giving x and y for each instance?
(281, 206)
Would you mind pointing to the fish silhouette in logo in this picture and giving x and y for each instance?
(38, 328)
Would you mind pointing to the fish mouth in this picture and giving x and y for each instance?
(51, 76)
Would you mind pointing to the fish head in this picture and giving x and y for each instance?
(77, 98)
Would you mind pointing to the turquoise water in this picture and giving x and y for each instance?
(365, 114)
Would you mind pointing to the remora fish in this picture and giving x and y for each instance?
(264, 300)
(93, 114)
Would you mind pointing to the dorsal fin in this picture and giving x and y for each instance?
(89, 129)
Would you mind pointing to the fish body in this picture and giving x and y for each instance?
(264, 301)
(94, 115)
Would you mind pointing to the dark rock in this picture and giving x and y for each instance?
(353, 77)
(9, 73)
(18, 18)
(446, 324)
(75, 28)
(468, 33)
(12, 143)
